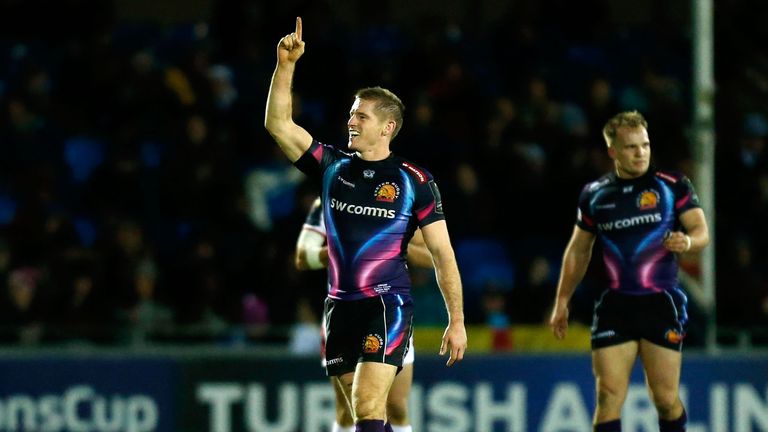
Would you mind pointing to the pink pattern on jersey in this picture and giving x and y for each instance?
(423, 213)
(682, 201)
(317, 152)
(613, 270)
(364, 277)
(646, 270)
(667, 177)
(333, 272)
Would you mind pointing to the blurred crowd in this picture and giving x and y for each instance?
(141, 200)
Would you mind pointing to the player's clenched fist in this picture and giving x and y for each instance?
(291, 47)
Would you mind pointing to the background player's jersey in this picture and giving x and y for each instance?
(631, 218)
(371, 210)
(314, 219)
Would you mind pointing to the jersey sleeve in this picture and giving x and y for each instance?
(685, 196)
(584, 217)
(428, 205)
(316, 159)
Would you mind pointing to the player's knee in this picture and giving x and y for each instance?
(665, 401)
(608, 395)
(344, 416)
(397, 411)
(366, 409)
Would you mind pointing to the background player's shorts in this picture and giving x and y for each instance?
(376, 329)
(410, 356)
(660, 318)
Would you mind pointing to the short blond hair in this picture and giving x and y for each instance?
(629, 119)
(386, 104)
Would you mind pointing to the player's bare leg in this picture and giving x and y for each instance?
(343, 392)
(369, 392)
(397, 402)
(612, 367)
(662, 372)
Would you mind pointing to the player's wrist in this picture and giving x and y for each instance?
(688, 243)
(314, 260)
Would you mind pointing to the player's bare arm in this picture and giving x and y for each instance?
(448, 279)
(418, 253)
(696, 236)
(278, 119)
(576, 259)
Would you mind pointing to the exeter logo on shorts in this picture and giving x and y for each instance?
(372, 344)
(673, 336)
(648, 199)
(387, 191)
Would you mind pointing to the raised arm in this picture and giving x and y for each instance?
(278, 120)
(576, 259)
(448, 279)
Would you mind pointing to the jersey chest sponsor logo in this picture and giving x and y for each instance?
(362, 210)
(387, 192)
(630, 222)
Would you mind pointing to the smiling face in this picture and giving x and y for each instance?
(631, 151)
(367, 129)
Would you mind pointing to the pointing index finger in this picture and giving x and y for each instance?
(298, 28)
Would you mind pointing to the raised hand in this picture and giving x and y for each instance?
(291, 46)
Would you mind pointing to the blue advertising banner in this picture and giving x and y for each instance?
(87, 395)
(517, 393)
(480, 394)
(548, 393)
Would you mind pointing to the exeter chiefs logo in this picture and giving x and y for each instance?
(372, 344)
(673, 336)
(648, 199)
(387, 192)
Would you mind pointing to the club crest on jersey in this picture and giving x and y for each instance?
(648, 199)
(368, 173)
(387, 192)
(372, 344)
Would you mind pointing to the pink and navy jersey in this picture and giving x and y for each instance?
(631, 218)
(371, 210)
